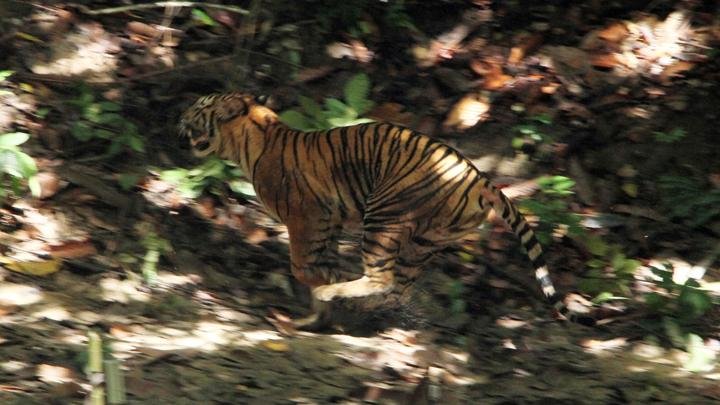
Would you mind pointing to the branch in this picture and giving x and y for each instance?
(131, 7)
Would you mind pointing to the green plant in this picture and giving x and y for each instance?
(101, 120)
(202, 17)
(16, 165)
(155, 246)
(311, 116)
(209, 175)
(680, 303)
(552, 207)
(685, 301)
(673, 136)
(610, 271)
(4, 75)
(532, 132)
(458, 305)
(689, 200)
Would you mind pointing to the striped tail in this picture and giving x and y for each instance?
(516, 221)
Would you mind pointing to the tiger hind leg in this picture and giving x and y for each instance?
(380, 249)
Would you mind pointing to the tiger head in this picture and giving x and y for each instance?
(203, 121)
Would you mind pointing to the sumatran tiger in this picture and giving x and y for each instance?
(407, 194)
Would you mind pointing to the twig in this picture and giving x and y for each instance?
(205, 62)
(132, 7)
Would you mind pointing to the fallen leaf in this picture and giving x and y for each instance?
(529, 44)
(33, 268)
(675, 70)
(393, 113)
(355, 50)
(53, 374)
(72, 249)
(142, 29)
(50, 184)
(606, 60)
(491, 69)
(600, 345)
(467, 112)
(276, 345)
(615, 32)
(314, 73)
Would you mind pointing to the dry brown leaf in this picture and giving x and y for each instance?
(142, 29)
(276, 345)
(522, 189)
(53, 374)
(314, 73)
(50, 184)
(496, 79)
(529, 44)
(615, 32)
(393, 113)
(72, 249)
(510, 323)
(550, 88)
(598, 345)
(606, 60)
(467, 112)
(674, 70)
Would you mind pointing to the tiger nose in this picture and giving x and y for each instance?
(200, 142)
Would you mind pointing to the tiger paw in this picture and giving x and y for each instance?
(361, 287)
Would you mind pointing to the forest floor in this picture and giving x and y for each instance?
(190, 292)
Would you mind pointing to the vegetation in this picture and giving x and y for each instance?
(101, 121)
(311, 116)
(16, 165)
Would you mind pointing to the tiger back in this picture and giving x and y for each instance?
(406, 194)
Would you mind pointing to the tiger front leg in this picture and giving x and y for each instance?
(379, 253)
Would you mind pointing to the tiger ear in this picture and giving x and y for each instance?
(262, 99)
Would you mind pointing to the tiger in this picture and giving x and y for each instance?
(406, 195)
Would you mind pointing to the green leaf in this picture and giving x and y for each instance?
(173, 175)
(295, 119)
(26, 164)
(337, 108)
(311, 107)
(203, 17)
(34, 185)
(356, 92)
(596, 245)
(345, 122)
(110, 106)
(606, 296)
(81, 131)
(542, 118)
(110, 118)
(527, 129)
(701, 358)
(114, 148)
(693, 302)
(136, 143)
(655, 301)
(103, 133)
(13, 139)
(242, 187)
(9, 163)
(128, 180)
(4, 74)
